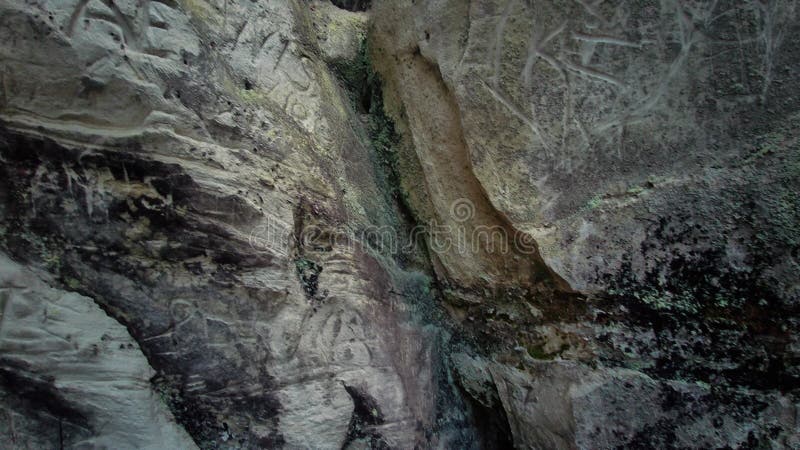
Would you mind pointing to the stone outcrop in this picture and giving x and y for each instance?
(614, 134)
(159, 158)
(66, 364)
(399, 224)
(654, 175)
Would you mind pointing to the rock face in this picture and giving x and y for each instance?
(656, 175)
(163, 158)
(614, 133)
(66, 364)
(399, 224)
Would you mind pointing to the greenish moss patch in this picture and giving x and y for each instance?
(308, 272)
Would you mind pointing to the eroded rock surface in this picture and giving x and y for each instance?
(72, 376)
(614, 132)
(247, 198)
(648, 150)
(163, 159)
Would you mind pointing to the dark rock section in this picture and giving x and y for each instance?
(90, 252)
(55, 419)
(353, 5)
(366, 412)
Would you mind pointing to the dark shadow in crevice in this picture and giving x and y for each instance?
(366, 415)
(353, 5)
(489, 420)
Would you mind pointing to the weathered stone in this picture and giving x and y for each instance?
(70, 376)
(159, 158)
(399, 224)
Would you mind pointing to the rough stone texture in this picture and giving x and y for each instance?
(339, 33)
(648, 153)
(594, 126)
(562, 405)
(159, 158)
(211, 180)
(72, 376)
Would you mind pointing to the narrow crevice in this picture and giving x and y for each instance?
(492, 425)
(450, 160)
(365, 89)
(366, 414)
(353, 5)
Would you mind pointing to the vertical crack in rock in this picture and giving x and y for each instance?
(497, 254)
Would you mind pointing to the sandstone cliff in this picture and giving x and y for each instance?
(399, 224)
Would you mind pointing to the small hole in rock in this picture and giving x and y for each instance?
(353, 5)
